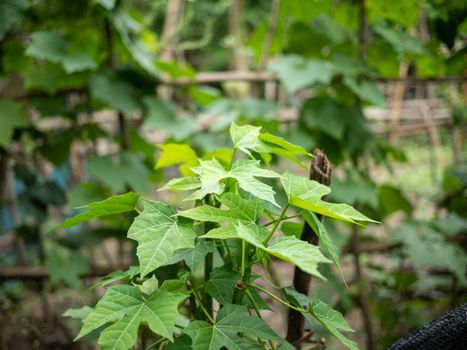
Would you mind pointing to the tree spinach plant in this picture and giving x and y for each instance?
(235, 224)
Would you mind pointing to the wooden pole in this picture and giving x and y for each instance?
(169, 39)
(320, 171)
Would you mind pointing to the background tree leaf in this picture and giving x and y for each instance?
(12, 116)
(297, 73)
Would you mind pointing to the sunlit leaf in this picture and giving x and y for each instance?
(173, 154)
(307, 194)
(159, 234)
(110, 206)
(212, 172)
(127, 308)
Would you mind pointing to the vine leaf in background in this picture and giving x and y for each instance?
(53, 47)
(126, 170)
(128, 306)
(297, 72)
(12, 116)
(115, 93)
(159, 234)
(57, 257)
(10, 14)
(114, 205)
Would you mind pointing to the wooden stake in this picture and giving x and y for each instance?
(320, 171)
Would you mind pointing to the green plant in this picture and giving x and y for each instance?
(236, 218)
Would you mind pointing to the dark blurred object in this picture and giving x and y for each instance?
(454, 185)
(448, 333)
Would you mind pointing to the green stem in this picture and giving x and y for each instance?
(255, 306)
(242, 271)
(277, 298)
(284, 218)
(198, 299)
(208, 260)
(276, 224)
(246, 273)
(233, 158)
(208, 264)
(157, 342)
(240, 292)
(229, 253)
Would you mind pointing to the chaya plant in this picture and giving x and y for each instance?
(233, 225)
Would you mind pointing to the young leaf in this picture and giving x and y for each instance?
(180, 184)
(126, 305)
(177, 154)
(115, 276)
(283, 148)
(307, 194)
(249, 209)
(279, 141)
(212, 214)
(194, 256)
(246, 171)
(231, 320)
(223, 155)
(159, 234)
(211, 173)
(79, 314)
(221, 286)
(114, 205)
(331, 319)
(326, 243)
(300, 253)
(249, 231)
(246, 138)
